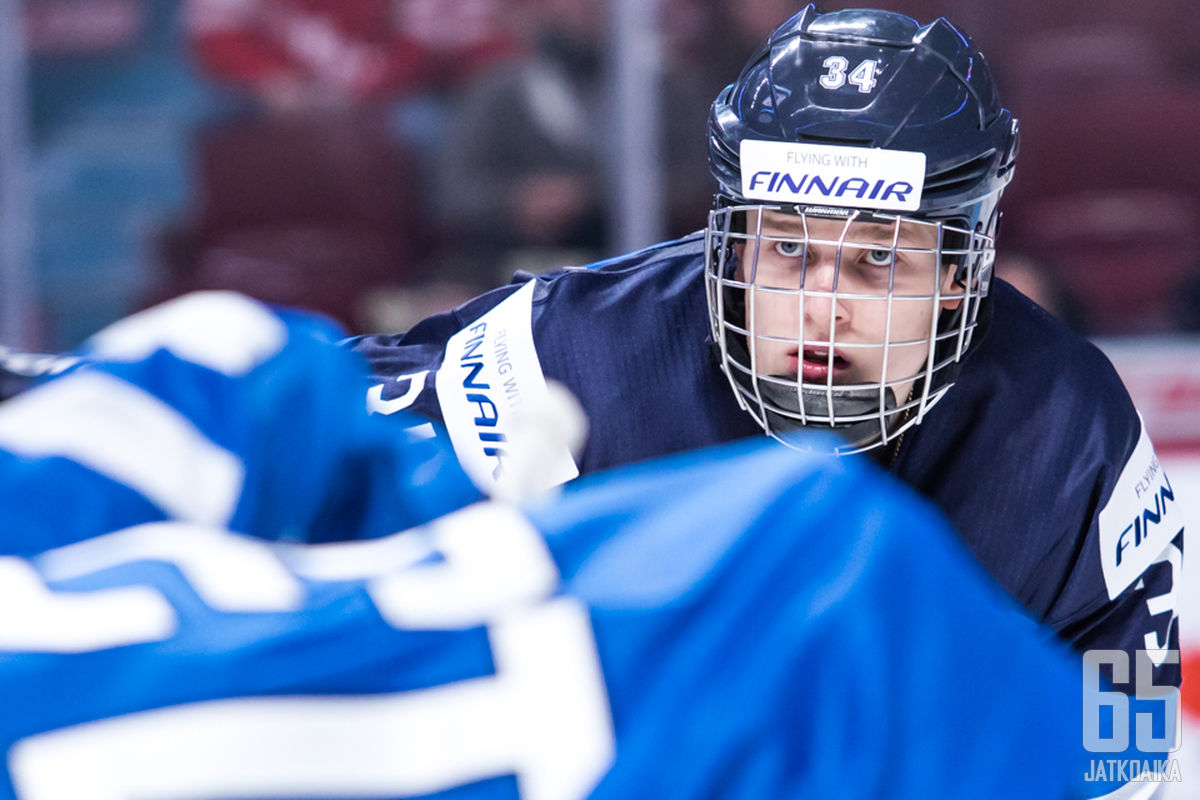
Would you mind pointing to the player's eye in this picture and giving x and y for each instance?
(879, 257)
(790, 248)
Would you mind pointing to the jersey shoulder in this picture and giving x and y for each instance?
(1081, 522)
(626, 336)
(1032, 384)
(669, 265)
(645, 275)
(1025, 340)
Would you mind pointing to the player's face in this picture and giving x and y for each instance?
(869, 263)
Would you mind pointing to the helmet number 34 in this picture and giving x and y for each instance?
(862, 76)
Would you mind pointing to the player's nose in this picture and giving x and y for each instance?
(824, 293)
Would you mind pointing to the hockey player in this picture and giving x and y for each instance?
(826, 635)
(844, 282)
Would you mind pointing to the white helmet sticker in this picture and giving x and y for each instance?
(828, 175)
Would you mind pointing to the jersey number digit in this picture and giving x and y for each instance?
(862, 76)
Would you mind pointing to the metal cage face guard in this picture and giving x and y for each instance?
(848, 320)
(820, 321)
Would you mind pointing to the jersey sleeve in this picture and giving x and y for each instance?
(1133, 553)
(1123, 619)
(478, 372)
(1040, 459)
(401, 366)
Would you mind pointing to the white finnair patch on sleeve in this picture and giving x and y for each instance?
(490, 372)
(1139, 520)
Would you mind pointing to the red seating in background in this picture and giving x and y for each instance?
(1049, 67)
(1107, 190)
(1126, 136)
(301, 211)
(1001, 29)
(1123, 255)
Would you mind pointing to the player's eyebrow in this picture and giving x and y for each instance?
(863, 231)
(781, 224)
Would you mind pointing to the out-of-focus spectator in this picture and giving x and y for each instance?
(523, 174)
(730, 33)
(1123, 253)
(1188, 311)
(521, 165)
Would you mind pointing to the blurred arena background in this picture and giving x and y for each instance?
(380, 160)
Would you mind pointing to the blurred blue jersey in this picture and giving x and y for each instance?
(217, 410)
(743, 623)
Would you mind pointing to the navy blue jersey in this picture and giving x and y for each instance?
(641, 637)
(1036, 455)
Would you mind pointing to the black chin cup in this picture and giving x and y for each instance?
(781, 403)
(782, 407)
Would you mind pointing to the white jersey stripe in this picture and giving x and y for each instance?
(130, 436)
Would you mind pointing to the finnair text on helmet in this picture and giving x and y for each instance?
(827, 159)
(809, 187)
(849, 177)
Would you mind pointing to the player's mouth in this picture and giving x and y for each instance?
(815, 364)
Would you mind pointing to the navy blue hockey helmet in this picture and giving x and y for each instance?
(925, 89)
(862, 116)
